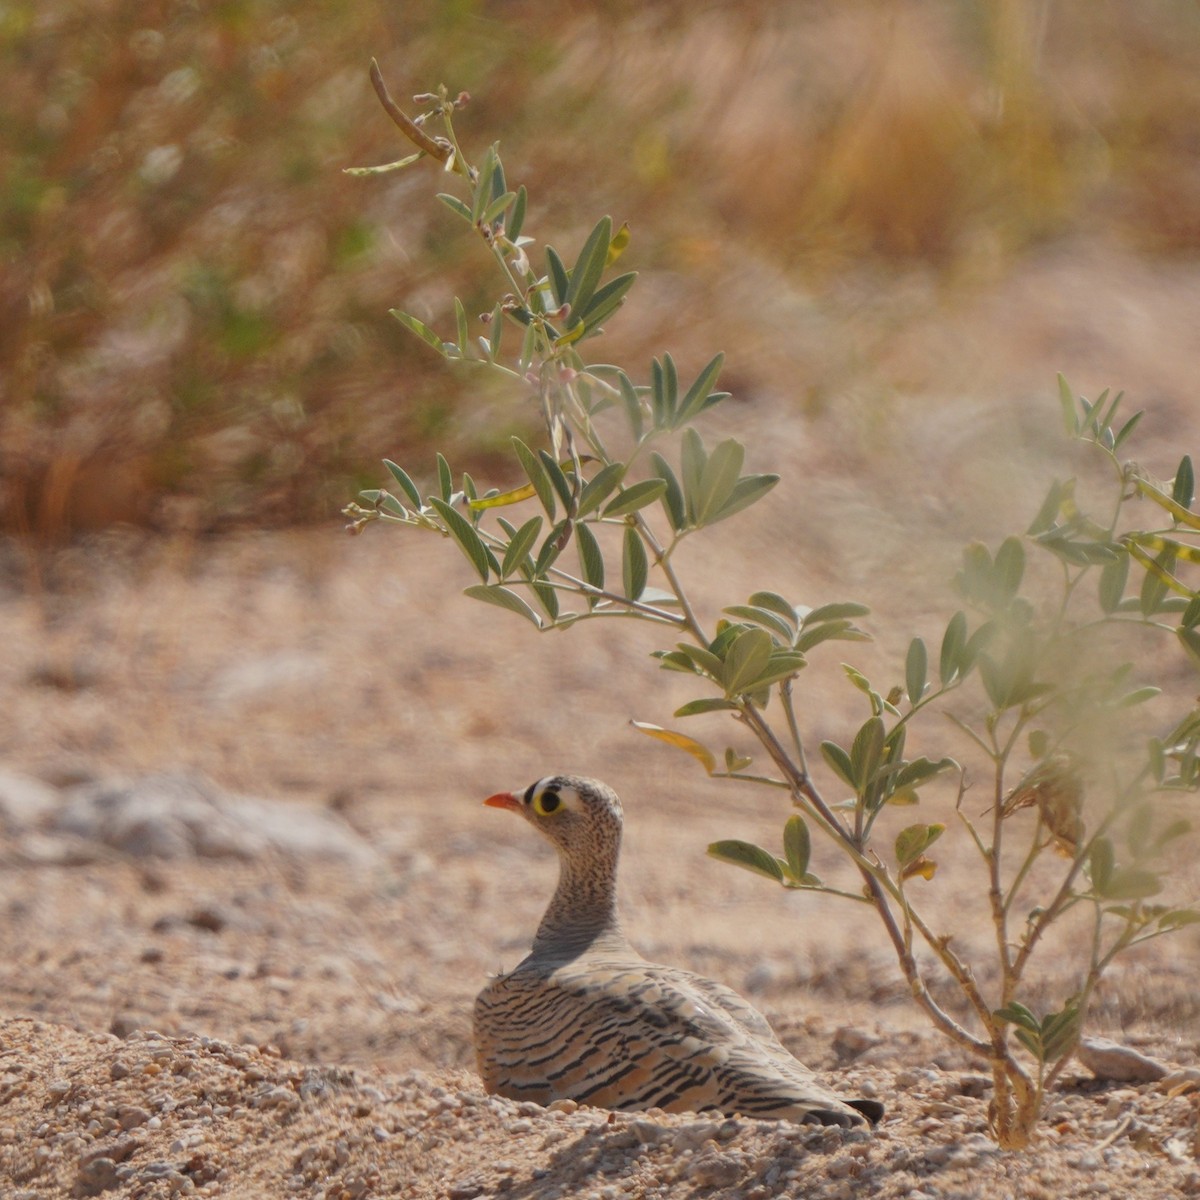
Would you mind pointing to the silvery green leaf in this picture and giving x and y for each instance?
(402, 478)
(516, 219)
(764, 617)
(537, 475)
(916, 668)
(745, 660)
(419, 328)
(445, 478)
(747, 491)
(672, 498)
(555, 474)
(747, 855)
(599, 488)
(503, 598)
(634, 567)
(718, 479)
(455, 205)
(590, 559)
(797, 847)
(636, 496)
(953, 642)
(589, 266)
(866, 753)
(694, 401)
(559, 282)
(692, 458)
(463, 532)
(519, 546)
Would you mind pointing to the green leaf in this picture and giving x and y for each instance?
(952, 646)
(547, 598)
(445, 479)
(608, 299)
(636, 496)
(463, 532)
(1048, 513)
(843, 610)
(455, 205)
(1183, 491)
(777, 604)
(782, 665)
(591, 560)
(1137, 696)
(502, 597)
(460, 320)
(557, 275)
(692, 457)
(537, 476)
(827, 631)
(708, 704)
(519, 546)
(634, 567)
(516, 219)
(497, 207)
(764, 617)
(1017, 1014)
(552, 547)
(670, 387)
(746, 660)
(694, 401)
(912, 842)
(747, 855)
(916, 667)
(839, 760)
(401, 477)
(797, 847)
(483, 184)
(718, 479)
(631, 398)
(1113, 578)
(599, 488)
(1131, 883)
(589, 266)
(1009, 567)
(1101, 862)
(866, 753)
(1126, 430)
(419, 328)
(747, 491)
(1178, 918)
(1059, 1032)
(672, 497)
(557, 478)
(704, 660)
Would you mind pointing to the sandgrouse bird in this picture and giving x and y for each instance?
(584, 1017)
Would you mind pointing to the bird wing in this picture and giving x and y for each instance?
(636, 1035)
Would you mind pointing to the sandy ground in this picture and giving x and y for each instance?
(282, 1024)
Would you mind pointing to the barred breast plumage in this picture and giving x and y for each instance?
(584, 1017)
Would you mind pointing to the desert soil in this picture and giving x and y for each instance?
(246, 1006)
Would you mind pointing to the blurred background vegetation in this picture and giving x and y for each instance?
(193, 297)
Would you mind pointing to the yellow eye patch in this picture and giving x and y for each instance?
(547, 802)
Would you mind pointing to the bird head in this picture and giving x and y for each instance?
(581, 817)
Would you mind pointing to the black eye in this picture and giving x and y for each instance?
(547, 803)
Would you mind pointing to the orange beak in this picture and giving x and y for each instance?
(504, 800)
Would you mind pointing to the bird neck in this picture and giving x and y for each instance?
(583, 913)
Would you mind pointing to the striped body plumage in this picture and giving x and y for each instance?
(585, 1017)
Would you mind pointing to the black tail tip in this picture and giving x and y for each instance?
(871, 1109)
